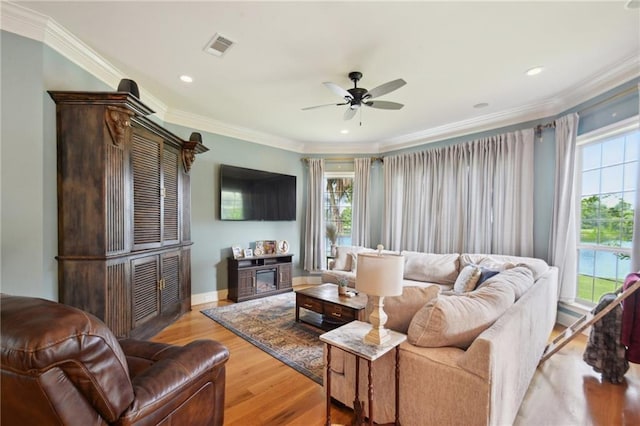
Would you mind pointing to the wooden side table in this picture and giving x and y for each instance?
(350, 337)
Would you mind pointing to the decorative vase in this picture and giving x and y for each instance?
(333, 250)
(342, 289)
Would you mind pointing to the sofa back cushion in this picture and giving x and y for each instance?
(429, 267)
(457, 320)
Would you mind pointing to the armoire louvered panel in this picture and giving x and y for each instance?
(185, 282)
(171, 276)
(118, 295)
(144, 278)
(170, 177)
(146, 155)
(116, 202)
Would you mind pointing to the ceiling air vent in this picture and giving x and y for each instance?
(218, 45)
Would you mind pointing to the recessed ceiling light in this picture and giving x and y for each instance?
(481, 105)
(534, 71)
(344, 131)
(186, 78)
(633, 4)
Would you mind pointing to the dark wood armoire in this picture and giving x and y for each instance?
(124, 233)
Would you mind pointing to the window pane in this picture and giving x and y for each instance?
(591, 156)
(585, 275)
(613, 151)
(632, 147)
(610, 233)
(631, 176)
(589, 232)
(591, 182)
(612, 179)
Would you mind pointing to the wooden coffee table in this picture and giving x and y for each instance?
(326, 308)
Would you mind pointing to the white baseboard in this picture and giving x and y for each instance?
(208, 297)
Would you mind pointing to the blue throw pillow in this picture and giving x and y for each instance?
(485, 274)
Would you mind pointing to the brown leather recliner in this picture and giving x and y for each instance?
(63, 366)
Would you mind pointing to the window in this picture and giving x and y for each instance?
(607, 184)
(337, 209)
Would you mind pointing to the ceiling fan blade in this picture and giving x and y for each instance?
(349, 113)
(338, 90)
(383, 89)
(383, 104)
(324, 105)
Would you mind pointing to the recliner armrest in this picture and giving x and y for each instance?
(172, 376)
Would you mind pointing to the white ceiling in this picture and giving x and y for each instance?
(452, 55)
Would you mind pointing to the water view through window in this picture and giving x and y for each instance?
(608, 183)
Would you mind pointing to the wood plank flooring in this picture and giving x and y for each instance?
(261, 390)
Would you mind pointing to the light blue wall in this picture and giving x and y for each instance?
(213, 237)
(28, 220)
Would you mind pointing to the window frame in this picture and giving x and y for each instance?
(333, 175)
(631, 124)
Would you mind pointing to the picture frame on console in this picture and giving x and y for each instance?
(237, 252)
(248, 252)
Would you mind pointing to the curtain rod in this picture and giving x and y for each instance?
(373, 159)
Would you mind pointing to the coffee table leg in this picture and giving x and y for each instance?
(328, 385)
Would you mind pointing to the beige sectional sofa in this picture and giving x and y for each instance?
(470, 355)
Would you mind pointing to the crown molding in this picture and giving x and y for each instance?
(187, 119)
(33, 25)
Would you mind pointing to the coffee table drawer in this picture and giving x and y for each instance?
(337, 312)
(310, 303)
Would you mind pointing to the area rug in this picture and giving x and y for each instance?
(269, 323)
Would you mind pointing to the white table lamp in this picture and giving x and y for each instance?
(379, 275)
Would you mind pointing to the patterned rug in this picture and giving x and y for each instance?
(269, 323)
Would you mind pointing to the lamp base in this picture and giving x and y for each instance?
(378, 335)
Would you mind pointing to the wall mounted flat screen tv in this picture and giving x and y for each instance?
(247, 194)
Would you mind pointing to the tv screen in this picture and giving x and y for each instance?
(247, 194)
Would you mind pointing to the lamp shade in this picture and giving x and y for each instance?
(379, 275)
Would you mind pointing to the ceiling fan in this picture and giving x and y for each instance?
(358, 96)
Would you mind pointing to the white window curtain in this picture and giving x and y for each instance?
(562, 241)
(360, 202)
(314, 221)
(462, 198)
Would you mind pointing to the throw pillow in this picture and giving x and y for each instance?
(354, 261)
(520, 279)
(458, 320)
(342, 261)
(401, 309)
(485, 274)
(467, 279)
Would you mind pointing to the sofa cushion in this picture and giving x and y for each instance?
(458, 319)
(519, 279)
(467, 279)
(436, 268)
(401, 309)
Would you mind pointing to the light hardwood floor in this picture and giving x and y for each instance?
(261, 390)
